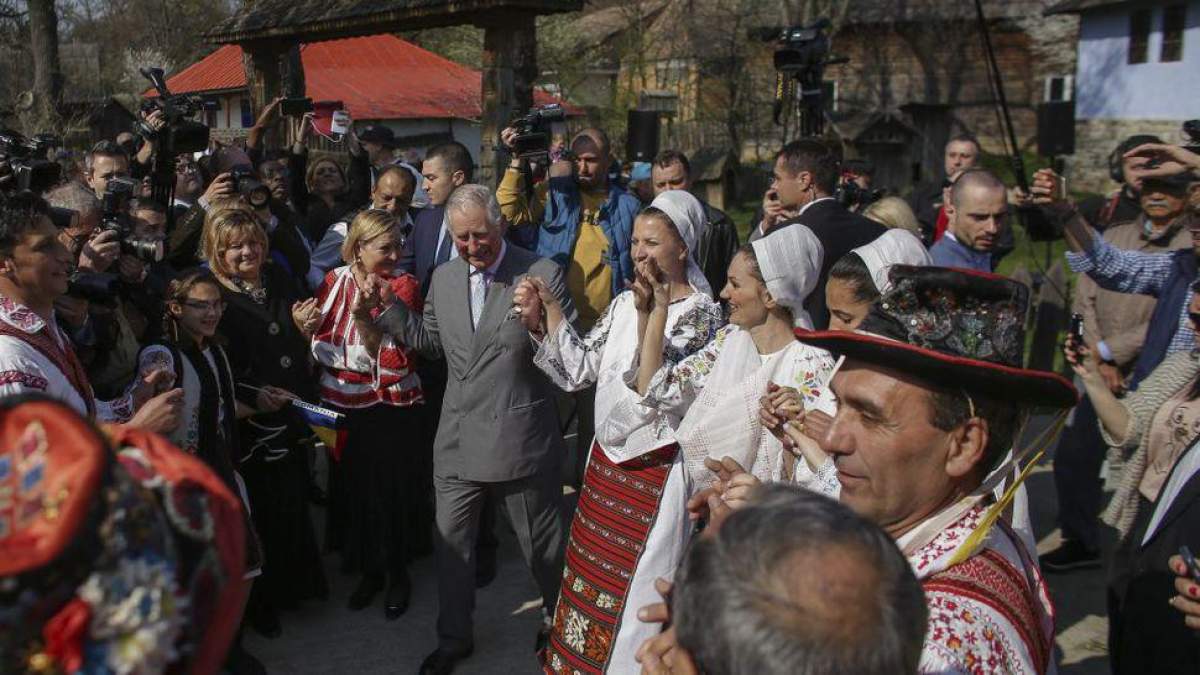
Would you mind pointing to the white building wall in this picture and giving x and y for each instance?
(1109, 87)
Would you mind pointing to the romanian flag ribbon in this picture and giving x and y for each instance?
(326, 424)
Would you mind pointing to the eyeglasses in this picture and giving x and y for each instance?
(201, 306)
(185, 168)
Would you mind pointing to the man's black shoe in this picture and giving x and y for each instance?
(368, 587)
(1071, 555)
(395, 601)
(442, 662)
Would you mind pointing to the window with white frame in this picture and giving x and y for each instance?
(1058, 88)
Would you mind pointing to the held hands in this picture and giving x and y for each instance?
(662, 653)
(533, 299)
(1188, 600)
(374, 293)
(731, 490)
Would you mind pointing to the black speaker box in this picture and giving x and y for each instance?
(641, 143)
(1056, 129)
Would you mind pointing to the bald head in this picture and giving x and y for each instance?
(978, 209)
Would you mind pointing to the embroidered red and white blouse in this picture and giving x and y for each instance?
(351, 377)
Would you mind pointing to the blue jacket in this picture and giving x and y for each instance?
(1175, 293)
(556, 236)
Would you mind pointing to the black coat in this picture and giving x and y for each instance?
(717, 247)
(1146, 635)
(840, 231)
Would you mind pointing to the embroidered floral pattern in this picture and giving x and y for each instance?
(24, 379)
(137, 615)
(20, 316)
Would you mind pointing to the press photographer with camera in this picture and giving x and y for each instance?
(105, 161)
(236, 178)
(35, 355)
(583, 222)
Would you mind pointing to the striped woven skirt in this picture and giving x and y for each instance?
(617, 507)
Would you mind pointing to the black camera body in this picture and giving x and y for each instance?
(850, 194)
(116, 218)
(181, 134)
(801, 55)
(246, 183)
(534, 130)
(802, 49)
(27, 159)
(98, 288)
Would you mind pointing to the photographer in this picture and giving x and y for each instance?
(855, 189)
(92, 254)
(106, 160)
(236, 178)
(1123, 205)
(583, 223)
(35, 355)
(189, 184)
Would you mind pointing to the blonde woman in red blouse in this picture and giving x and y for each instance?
(371, 378)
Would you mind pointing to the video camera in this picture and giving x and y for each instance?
(181, 134)
(27, 160)
(116, 218)
(1191, 129)
(801, 55)
(534, 130)
(850, 194)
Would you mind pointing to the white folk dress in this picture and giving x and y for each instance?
(631, 525)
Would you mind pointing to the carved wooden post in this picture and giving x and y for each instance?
(272, 68)
(509, 69)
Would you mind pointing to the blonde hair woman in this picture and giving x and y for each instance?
(371, 378)
(269, 325)
(895, 213)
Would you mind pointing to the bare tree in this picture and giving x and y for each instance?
(47, 74)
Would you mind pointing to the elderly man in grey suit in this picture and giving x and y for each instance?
(499, 426)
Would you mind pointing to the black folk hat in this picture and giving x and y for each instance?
(952, 328)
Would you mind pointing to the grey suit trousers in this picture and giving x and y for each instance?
(534, 508)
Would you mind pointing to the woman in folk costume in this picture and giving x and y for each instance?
(371, 378)
(719, 390)
(630, 526)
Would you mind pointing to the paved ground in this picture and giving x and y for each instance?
(328, 638)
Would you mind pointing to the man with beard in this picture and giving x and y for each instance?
(977, 214)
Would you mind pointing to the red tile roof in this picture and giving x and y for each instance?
(378, 77)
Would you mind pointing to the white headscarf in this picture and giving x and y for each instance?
(894, 247)
(790, 261)
(687, 214)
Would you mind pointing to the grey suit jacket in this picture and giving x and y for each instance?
(499, 420)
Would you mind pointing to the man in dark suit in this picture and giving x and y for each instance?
(446, 167)
(499, 432)
(805, 177)
(719, 243)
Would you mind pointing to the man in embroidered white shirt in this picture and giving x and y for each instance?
(930, 400)
(35, 356)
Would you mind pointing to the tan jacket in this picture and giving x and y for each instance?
(1120, 319)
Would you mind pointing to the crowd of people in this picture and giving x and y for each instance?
(803, 453)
